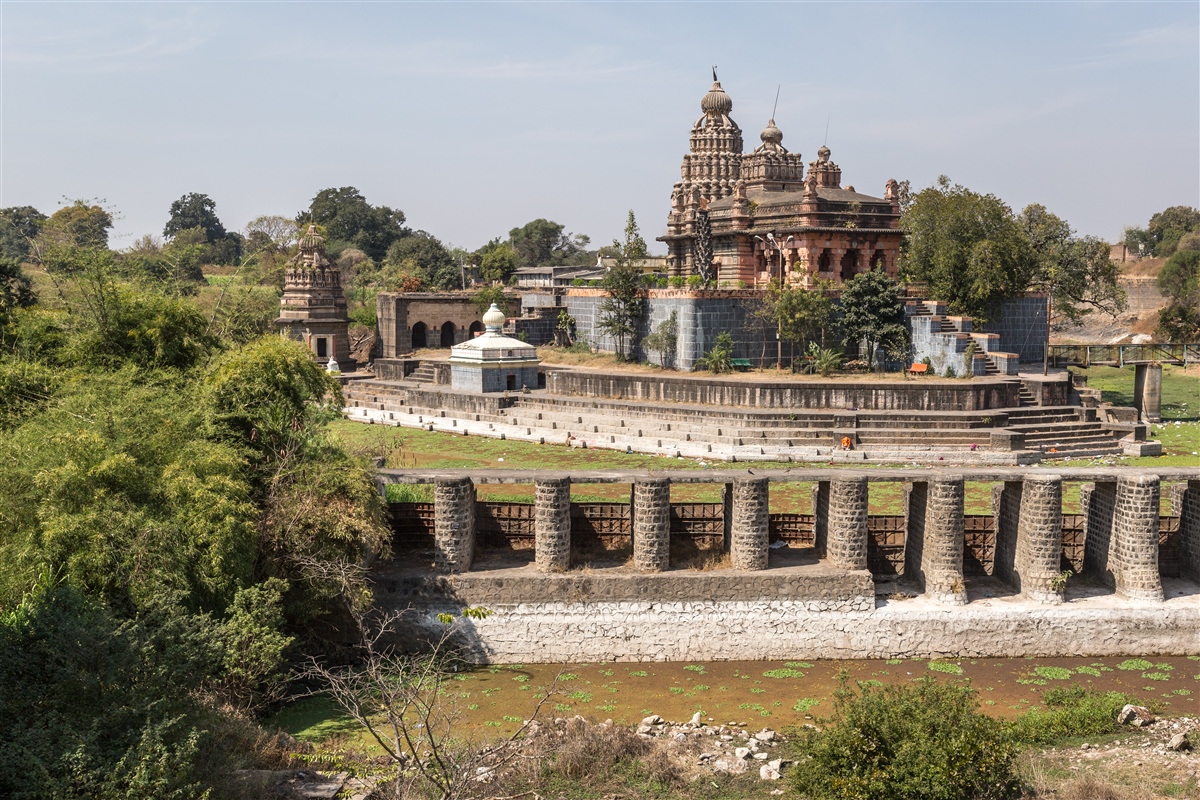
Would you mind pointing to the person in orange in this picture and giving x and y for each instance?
(845, 442)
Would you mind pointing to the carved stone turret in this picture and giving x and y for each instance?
(829, 174)
(313, 307)
(771, 167)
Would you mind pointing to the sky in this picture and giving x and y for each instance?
(474, 118)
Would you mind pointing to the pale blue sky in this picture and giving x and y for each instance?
(474, 118)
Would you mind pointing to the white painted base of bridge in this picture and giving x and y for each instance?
(781, 629)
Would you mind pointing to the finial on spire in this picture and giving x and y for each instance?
(714, 73)
(775, 107)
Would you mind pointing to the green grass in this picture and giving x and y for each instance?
(1180, 392)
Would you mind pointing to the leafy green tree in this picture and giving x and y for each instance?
(16, 291)
(1178, 323)
(1161, 237)
(427, 255)
(1179, 278)
(543, 242)
(350, 221)
(873, 314)
(497, 260)
(663, 340)
(83, 223)
(969, 248)
(1079, 273)
(484, 298)
(621, 312)
(195, 210)
(19, 227)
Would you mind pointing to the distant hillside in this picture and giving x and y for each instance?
(1138, 279)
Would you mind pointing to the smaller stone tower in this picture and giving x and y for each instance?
(313, 307)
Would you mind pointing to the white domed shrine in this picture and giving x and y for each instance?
(493, 362)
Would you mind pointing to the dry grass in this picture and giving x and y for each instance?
(1089, 789)
(1146, 268)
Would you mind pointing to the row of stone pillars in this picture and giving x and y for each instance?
(1121, 546)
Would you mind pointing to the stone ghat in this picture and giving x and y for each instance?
(819, 604)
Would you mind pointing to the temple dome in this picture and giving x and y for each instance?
(493, 318)
(716, 101)
(771, 134)
(311, 241)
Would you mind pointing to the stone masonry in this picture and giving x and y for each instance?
(1097, 503)
(820, 506)
(652, 524)
(1006, 511)
(847, 522)
(454, 524)
(1039, 539)
(1135, 538)
(942, 549)
(552, 524)
(750, 531)
(1189, 528)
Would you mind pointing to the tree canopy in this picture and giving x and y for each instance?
(621, 312)
(195, 211)
(1161, 236)
(543, 242)
(973, 252)
(350, 221)
(873, 314)
(19, 226)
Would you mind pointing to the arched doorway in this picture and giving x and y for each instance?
(419, 336)
(448, 334)
(823, 261)
(849, 264)
(476, 328)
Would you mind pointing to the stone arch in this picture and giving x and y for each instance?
(475, 329)
(448, 329)
(849, 264)
(823, 262)
(420, 336)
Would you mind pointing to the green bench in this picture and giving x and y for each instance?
(740, 363)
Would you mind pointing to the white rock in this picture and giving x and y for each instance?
(762, 756)
(765, 735)
(767, 773)
(742, 753)
(653, 719)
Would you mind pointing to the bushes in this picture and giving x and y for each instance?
(720, 358)
(925, 741)
(1070, 712)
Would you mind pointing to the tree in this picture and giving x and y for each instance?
(543, 243)
(873, 314)
(1161, 237)
(663, 340)
(1079, 274)
(622, 310)
(195, 211)
(969, 248)
(485, 297)
(271, 232)
(349, 220)
(16, 291)
(497, 260)
(83, 223)
(429, 256)
(19, 226)
(1179, 280)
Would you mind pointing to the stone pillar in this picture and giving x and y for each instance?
(1189, 529)
(750, 531)
(453, 524)
(1006, 513)
(652, 524)
(727, 516)
(916, 498)
(1147, 391)
(552, 524)
(847, 523)
(1135, 538)
(1097, 503)
(942, 555)
(1039, 539)
(820, 506)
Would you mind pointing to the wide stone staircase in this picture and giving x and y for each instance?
(1063, 431)
(682, 429)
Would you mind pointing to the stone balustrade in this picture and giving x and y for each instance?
(1120, 508)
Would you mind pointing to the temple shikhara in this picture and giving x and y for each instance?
(748, 218)
(313, 307)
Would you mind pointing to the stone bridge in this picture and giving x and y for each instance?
(825, 606)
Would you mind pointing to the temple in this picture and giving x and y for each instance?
(313, 307)
(746, 219)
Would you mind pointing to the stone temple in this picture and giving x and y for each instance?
(313, 307)
(493, 362)
(746, 219)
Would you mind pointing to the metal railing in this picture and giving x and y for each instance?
(1118, 355)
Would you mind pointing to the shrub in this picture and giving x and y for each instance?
(1070, 712)
(720, 358)
(924, 741)
(695, 282)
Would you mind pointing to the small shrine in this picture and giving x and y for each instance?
(493, 362)
(313, 307)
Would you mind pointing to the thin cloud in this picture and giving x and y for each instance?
(126, 47)
(1143, 46)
